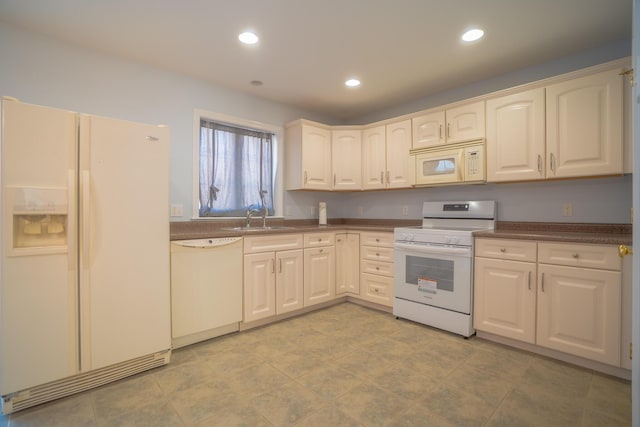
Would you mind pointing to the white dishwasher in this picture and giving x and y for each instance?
(206, 289)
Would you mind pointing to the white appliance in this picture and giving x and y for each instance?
(206, 289)
(446, 165)
(85, 256)
(433, 264)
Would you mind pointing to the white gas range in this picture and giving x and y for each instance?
(433, 264)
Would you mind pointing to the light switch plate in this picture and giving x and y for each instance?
(176, 210)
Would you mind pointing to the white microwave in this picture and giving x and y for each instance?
(445, 165)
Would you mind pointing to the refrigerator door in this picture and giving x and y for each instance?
(38, 292)
(124, 241)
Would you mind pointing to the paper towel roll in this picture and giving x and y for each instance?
(322, 213)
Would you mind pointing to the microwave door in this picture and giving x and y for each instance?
(439, 168)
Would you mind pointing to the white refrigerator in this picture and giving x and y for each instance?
(85, 294)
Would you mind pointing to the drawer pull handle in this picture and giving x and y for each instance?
(503, 250)
(542, 282)
(529, 281)
(377, 268)
(576, 256)
(624, 250)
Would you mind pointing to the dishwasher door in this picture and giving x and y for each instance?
(206, 289)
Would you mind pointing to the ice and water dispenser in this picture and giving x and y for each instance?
(40, 218)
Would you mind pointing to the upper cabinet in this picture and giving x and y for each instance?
(516, 137)
(584, 126)
(308, 156)
(584, 129)
(385, 156)
(346, 149)
(459, 124)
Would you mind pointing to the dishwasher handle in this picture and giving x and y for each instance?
(207, 243)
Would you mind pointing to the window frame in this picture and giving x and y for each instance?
(278, 147)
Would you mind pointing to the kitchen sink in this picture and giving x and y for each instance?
(252, 229)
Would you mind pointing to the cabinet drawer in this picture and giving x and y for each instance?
(275, 242)
(509, 249)
(376, 254)
(376, 239)
(377, 267)
(377, 289)
(603, 257)
(312, 240)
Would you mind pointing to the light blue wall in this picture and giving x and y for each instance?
(38, 70)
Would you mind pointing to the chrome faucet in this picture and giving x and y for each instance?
(264, 208)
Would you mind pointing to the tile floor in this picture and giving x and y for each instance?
(347, 365)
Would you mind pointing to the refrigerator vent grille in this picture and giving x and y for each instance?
(81, 382)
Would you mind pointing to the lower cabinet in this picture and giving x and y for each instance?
(376, 267)
(319, 268)
(565, 297)
(273, 275)
(347, 263)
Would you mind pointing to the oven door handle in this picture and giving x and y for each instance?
(432, 249)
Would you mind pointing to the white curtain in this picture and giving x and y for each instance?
(235, 165)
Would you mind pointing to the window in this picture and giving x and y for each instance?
(236, 167)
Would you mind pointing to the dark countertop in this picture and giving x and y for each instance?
(609, 234)
(605, 234)
(203, 229)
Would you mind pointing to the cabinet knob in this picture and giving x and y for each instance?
(576, 256)
(503, 250)
(377, 254)
(377, 240)
(624, 250)
(377, 268)
(375, 289)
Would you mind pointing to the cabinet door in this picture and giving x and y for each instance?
(289, 277)
(319, 275)
(400, 169)
(316, 158)
(373, 157)
(465, 123)
(347, 263)
(428, 130)
(579, 312)
(346, 153)
(259, 286)
(505, 298)
(516, 137)
(584, 126)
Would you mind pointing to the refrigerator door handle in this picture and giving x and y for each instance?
(71, 218)
(86, 182)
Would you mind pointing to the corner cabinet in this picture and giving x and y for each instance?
(385, 156)
(308, 156)
(346, 159)
(347, 263)
(569, 129)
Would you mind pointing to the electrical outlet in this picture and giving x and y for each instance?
(405, 210)
(567, 209)
(176, 210)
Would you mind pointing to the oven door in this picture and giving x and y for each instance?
(435, 275)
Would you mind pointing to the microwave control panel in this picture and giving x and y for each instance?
(474, 164)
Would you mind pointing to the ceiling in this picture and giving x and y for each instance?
(401, 50)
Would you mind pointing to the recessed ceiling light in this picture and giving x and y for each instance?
(352, 83)
(472, 35)
(248, 38)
